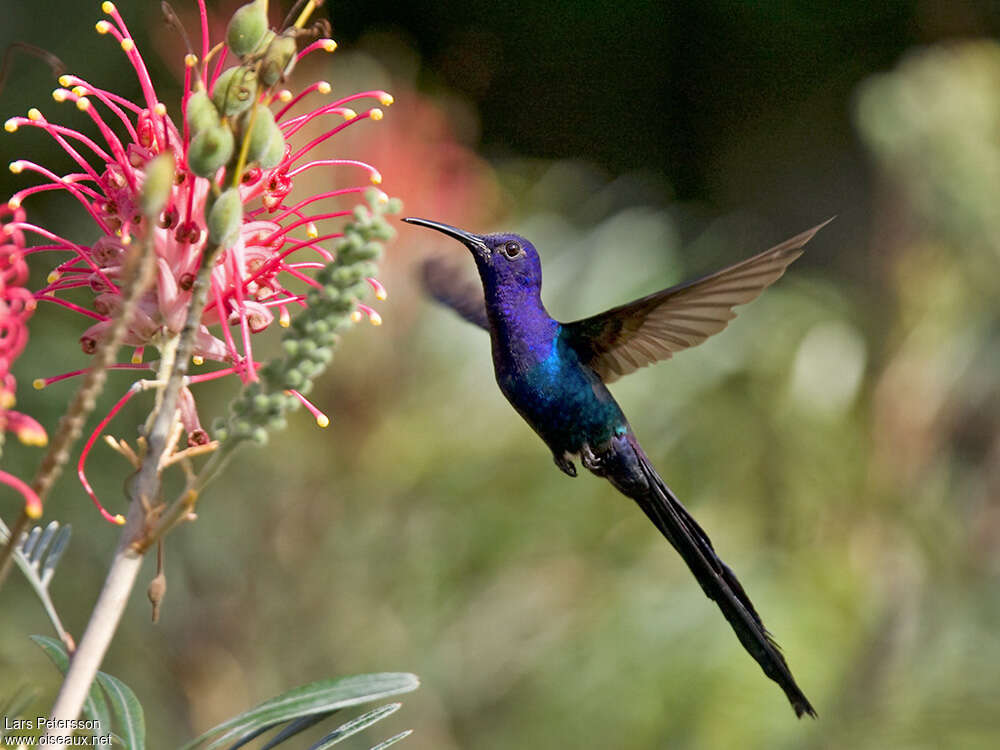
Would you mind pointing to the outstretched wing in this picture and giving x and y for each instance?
(446, 283)
(651, 329)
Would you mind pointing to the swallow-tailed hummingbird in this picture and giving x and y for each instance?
(556, 375)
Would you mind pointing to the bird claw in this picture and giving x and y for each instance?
(591, 460)
(565, 465)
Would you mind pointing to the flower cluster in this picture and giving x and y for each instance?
(16, 306)
(215, 189)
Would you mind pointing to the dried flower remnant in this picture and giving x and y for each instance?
(214, 191)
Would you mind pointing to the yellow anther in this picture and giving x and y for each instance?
(329, 45)
(34, 114)
(190, 60)
(198, 359)
(311, 231)
(348, 114)
(386, 99)
(60, 95)
(374, 318)
(322, 420)
(324, 87)
(375, 113)
(53, 277)
(83, 104)
(376, 178)
(80, 90)
(285, 96)
(66, 80)
(38, 384)
(160, 109)
(33, 510)
(127, 45)
(119, 518)
(284, 322)
(356, 316)
(33, 437)
(136, 357)
(16, 167)
(102, 27)
(14, 203)
(108, 7)
(10, 126)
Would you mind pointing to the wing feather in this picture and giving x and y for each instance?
(653, 328)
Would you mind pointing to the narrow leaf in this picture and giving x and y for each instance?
(128, 711)
(55, 554)
(28, 546)
(43, 543)
(317, 697)
(297, 726)
(393, 740)
(95, 707)
(355, 725)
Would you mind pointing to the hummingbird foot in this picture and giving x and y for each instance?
(564, 464)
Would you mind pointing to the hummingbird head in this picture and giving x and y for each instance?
(504, 260)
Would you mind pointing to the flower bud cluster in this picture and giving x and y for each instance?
(310, 341)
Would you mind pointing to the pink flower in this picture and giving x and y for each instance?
(16, 305)
(277, 241)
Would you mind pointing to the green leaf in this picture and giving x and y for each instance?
(324, 696)
(95, 707)
(355, 725)
(393, 740)
(128, 711)
(299, 725)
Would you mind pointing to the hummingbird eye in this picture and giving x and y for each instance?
(511, 250)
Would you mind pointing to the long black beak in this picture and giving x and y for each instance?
(472, 241)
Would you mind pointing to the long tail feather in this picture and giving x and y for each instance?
(635, 477)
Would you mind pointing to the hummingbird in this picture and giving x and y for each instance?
(556, 376)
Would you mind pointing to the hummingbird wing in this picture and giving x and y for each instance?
(449, 285)
(650, 329)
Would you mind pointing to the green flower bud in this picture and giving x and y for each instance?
(247, 28)
(201, 113)
(267, 144)
(159, 182)
(235, 90)
(225, 218)
(279, 59)
(209, 150)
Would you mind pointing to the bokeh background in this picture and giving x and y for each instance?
(840, 441)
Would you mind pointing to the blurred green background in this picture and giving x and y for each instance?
(840, 441)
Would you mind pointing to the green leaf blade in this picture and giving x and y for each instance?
(127, 709)
(318, 697)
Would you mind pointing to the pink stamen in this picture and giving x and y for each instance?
(78, 191)
(81, 464)
(138, 65)
(296, 99)
(326, 136)
(74, 307)
(375, 175)
(32, 503)
(323, 44)
(321, 419)
(109, 99)
(376, 285)
(41, 383)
